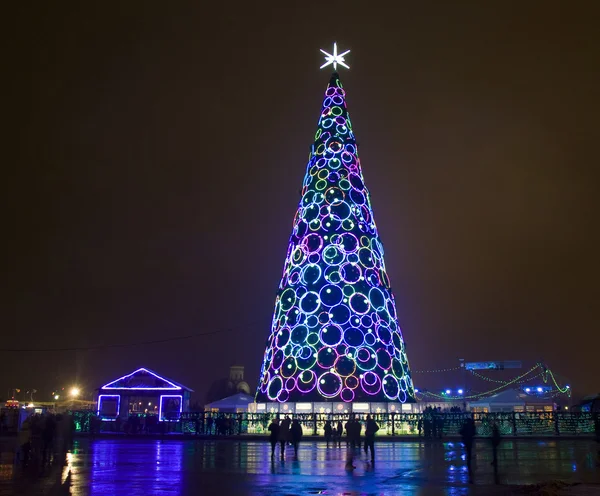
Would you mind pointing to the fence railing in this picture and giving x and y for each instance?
(391, 424)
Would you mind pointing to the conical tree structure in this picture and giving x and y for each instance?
(335, 333)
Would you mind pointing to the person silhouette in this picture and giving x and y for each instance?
(274, 435)
(370, 431)
(467, 433)
(328, 431)
(296, 435)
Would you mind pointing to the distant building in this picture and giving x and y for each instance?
(228, 386)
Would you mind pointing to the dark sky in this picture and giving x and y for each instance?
(157, 149)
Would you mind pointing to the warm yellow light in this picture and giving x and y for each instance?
(56, 396)
(75, 391)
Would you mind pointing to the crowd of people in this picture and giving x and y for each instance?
(289, 432)
(44, 439)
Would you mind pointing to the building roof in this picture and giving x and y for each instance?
(233, 402)
(144, 379)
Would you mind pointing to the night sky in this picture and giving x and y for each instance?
(156, 151)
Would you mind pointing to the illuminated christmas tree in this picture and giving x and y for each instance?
(335, 334)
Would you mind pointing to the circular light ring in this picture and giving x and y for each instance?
(366, 257)
(323, 174)
(282, 338)
(329, 385)
(345, 366)
(331, 335)
(334, 196)
(347, 395)
(332, 224)
(288, 367)
(274, 388)
(330, 91)
(377, 299)
(370, 339)
(287, 299)
(344, 184)
(333, 177)
(284, 396)
(310, 212)
(314, 258)
(340, 121)
(390, 387)
(351, 382)
(350, 273)
(337, 100)
(326, 357)
(397, 368)
(325, 124)
(337, 111)
(354, 337)
(340, 315)
(320, 185)
(333, 255)
(312, 321)
(358, 198)
(356, 182)
(277, 359)
(341, 210)
(402, 397)
(332, 274)
(348, 243)
(384, 360)
(312, 339)
(323, 318)
(340, 128)
(311, 274)
(290, 384)
(331, 295)
(384, 334)
(299, 334)
(370, 383)
(307, 380)
(334, 163)
(359, 303)
(298, 256)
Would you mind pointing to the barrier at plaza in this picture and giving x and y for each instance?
(391, 424)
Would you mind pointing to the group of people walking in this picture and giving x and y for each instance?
(290, 432)
(43, 439)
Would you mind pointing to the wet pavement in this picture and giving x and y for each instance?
(183, 468)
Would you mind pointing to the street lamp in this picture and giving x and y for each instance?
(56, 396)
(75, 391)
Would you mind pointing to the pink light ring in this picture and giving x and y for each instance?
(331, 91)
(290, 384)
(350, 272)
(348, 158)
(283, 396)
(347, 395)
(337, 100)
(322, 162)
(370, 383)
(341, 122)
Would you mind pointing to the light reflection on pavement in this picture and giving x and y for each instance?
(143, 467)
(183, 468)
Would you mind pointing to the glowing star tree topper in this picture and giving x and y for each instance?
(335, 58)
(335, 334)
